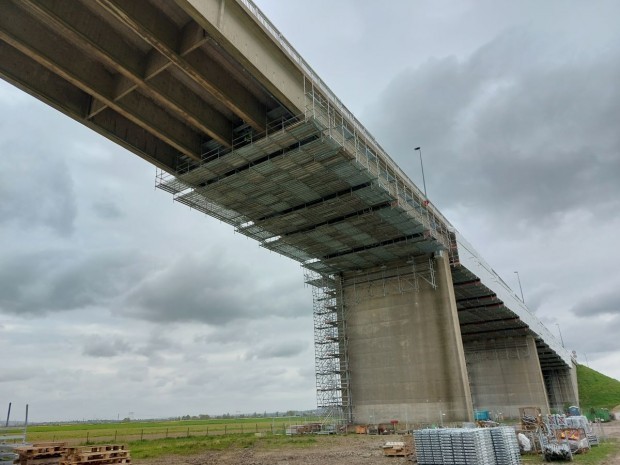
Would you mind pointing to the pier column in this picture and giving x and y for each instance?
(505, 374)
(405, 353)
(561, 384)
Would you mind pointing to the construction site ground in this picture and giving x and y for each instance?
(326, 450)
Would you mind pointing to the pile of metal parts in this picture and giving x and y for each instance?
(557, 452)
(577, 430)
(582, 422)
(561, 437)
(464, 446)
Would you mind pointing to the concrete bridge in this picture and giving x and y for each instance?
(410, 322)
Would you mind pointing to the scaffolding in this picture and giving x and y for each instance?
(324, 170)
(330, 347)
(417, 272)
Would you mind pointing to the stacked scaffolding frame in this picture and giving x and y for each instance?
(330, 348)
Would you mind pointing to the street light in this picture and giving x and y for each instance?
(419, 149)
(519, 279)
(560, 331)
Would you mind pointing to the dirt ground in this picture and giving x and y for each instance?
(328, 450)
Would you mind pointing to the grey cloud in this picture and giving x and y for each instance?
(279, 349)
(209, 288)
(36, 187)
(106, 209)
(155, 345)
(509, 130)
(106, 346)
(39, 282)
(592, 335)
(606, 303)
(16, 374)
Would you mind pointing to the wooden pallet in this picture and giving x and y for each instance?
(43, 453)
(396, 449)
(109, 454)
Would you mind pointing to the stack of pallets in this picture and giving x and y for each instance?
(109, 454)
(43, 453)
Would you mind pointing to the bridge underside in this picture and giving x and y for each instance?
(243, 130)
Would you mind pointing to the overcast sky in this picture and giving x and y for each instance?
(113, 299)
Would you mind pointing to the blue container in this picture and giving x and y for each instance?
(481, 415)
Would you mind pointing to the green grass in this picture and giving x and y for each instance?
(195, 445)
(189, 446)
(597, 390)
(155, 430)
(596, 455)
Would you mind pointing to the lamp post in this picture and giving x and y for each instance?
(560, 331)
(520, 288)
(419, 149)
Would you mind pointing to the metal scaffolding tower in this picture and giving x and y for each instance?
(330, 346)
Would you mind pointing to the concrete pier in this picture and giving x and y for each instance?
(561, 384)
(406, 357)
(505, 374)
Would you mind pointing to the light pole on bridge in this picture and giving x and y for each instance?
(560, 331)
(520, 288)
(419, 149)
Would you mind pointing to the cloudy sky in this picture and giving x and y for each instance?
(113, 299)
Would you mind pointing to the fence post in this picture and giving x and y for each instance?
(166, 433)
(188, 431)
(225, 429)
(87, 436)
(115, 433)
(142, 434)
(257, 427)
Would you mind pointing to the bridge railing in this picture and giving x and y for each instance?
(407, 196)
(318, 85)
(472, 260)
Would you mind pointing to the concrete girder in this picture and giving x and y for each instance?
(18, 69)
(476, 299)
(248, 43)
(485, 322)
(495, 305)
(149, 23)
(499, 331)
(37, 41)
(135, 70)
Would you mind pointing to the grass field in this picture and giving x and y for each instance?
(597, 390)
(157, 430)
